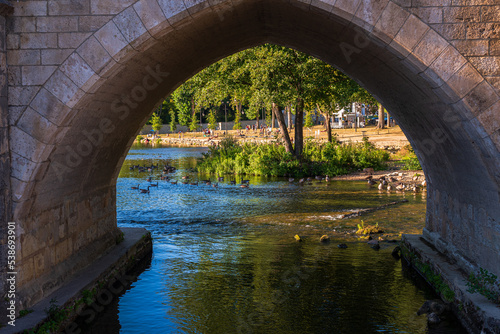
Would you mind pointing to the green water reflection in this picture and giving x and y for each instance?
(225, 260)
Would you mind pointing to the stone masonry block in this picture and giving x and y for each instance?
(38, 41)
(13, 41)
(427, 3)
(57, 24)
(346, 8)
(490, 13)
(411, 33)
(323, 5)
(30, 8)
(472, 47)
(21, 192)
(131, 26)
(22, 25)
(23, 57)
(429, 14)
(174, 11)
(451, 31)
(464, 81)
(151, 15)
(79, 71)
(430, 47)
(391, 20)
(62, 87)
(94, 54)
(36, 75)
(71, 39)
(22, 169)
(196, 6)
(25, 145)
(462, 14)
(486, 65)
(369, 13)
(481, 98)
(92, 23)
(69, 7)
(38, 126)
(50, 107)
(55, 56)
(445, 65)
(489, 119)
(113, 41)
(21, 96)
(483, 30)
(106, 7)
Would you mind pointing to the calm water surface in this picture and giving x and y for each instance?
(225, 260)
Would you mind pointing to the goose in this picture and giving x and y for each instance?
(194, 183)
(245, 181)
(154, 185)
(131, 168)
(244, 185)
(185, 177)
(144, 191)
(389, 187)
(215, 185)
(220, 179)
(301, 181)
(135, 188)
(327, 178)
(291, 179)
(173, 182)
(233, 182)
(148, 179)
(371, 182)
(380, 186)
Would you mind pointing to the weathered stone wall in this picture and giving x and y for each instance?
(83, 77)
(5, 195)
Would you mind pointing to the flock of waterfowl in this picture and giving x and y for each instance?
(186, 179)
(389, 182)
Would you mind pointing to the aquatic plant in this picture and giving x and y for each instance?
(486, 284)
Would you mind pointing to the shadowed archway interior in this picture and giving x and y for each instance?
(104, 92)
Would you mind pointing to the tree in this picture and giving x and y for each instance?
(173, 124)
(380, 116)
(156, 122)
(212, 120)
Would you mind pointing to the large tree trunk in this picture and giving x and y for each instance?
(281, 122)
(388, 119)
(273, 119)
(299, 127)
(289, 116)
(380, 116)
(328, 125)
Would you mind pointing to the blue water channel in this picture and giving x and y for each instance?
(225, 259)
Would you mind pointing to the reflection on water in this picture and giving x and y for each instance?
(225, 260)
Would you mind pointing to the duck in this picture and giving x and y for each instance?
(148, 179)
(134, 188)
(327, 178)
(244, 185)
(173, 182)
(215, 185)
(245, 181)
(144, 191)
(301, 181)
(291, 179)
(185, 177)
(371, 182)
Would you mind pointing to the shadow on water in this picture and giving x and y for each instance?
(225, 260)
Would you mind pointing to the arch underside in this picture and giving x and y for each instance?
(462, 165)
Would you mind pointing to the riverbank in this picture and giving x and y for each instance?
(389, 138)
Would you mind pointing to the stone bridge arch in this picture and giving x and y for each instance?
(84, 76)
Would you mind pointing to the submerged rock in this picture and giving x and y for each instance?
(433, 319)
(432, 306)
(324, 238)
(395, 252)
(342, 246)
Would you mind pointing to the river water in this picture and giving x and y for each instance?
(225, 259)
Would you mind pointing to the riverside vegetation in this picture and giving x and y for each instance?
(331, 158)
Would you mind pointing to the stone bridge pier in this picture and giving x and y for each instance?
(79, 78)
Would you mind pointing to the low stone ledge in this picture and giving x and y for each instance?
(92, 282)
(476, 313)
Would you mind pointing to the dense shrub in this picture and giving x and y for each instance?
(331, 159)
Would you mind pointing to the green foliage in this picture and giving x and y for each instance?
(173, 124)
(273, 160)
(56, 315)
(309, 120)
(139, 138)
(410, 160)
(212, 120)
(156, 122)
(486, 284)
(193, 124)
